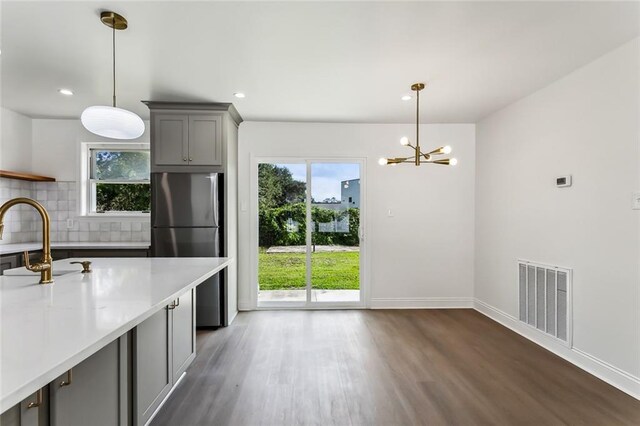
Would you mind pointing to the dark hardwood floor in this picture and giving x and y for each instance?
(400, 367)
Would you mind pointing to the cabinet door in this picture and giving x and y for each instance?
(57, 254)
(34, 257)
(152, 364)
(93, 393)
(89, 253)
(184, 337)
(22, 415)
(205, 140)
(170, 139)
(8, 261)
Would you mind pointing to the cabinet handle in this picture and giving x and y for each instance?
(69, 378)
(38, 401)
(184, 158)
(177, 302)
(190, 159)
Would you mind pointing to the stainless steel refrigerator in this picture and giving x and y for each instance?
(186, 221)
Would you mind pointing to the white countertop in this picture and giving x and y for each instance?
(20, 247)
(46, 329)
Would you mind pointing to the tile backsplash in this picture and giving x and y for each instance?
(23, 224)
(20, 222)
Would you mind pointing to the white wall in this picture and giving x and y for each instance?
(15, 146)
(423, 256)
(586, 125)
(56, 146)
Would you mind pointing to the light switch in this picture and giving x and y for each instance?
(635, 205)
(389, 213)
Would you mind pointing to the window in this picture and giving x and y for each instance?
(118, 179)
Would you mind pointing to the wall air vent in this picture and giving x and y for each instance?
(545, 299)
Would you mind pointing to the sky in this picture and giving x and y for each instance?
(325, 177)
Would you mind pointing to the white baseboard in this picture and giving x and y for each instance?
(421, 303)
(244, 305)
(620, 379)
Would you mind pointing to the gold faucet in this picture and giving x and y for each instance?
(45, 265)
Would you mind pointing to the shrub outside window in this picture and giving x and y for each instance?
(119, 181)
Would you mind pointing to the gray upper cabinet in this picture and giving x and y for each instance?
(184, 336)
(91, 390)
(192, 137)
(205, 140)
(171, 139)
(187, 140)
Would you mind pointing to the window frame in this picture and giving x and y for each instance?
(88, 187)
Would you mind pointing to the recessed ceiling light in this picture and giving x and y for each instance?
(406, 98)
(239, 95)
(65, 92)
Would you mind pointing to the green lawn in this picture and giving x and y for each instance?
(338, 270)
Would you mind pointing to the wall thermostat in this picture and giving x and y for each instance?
(563, 181)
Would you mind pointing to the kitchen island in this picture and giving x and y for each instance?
(48, 329)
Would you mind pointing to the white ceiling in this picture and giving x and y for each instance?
(301, 61)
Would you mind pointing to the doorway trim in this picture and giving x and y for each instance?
(364, 232)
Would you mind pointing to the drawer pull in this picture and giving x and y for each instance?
(69, 379)
(38, 401)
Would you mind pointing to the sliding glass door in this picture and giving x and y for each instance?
(335, 239)
(309, 229)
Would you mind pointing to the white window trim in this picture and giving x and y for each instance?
(86, 181)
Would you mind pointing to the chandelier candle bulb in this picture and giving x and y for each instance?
(446, 150)
(404, 141)
(383, 161)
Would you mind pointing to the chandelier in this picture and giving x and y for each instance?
(418, 156)
(111, 121)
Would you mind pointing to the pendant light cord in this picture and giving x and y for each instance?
(418, 127)
(114, 64)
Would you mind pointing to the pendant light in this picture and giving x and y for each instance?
(418, 156)
(111, 121)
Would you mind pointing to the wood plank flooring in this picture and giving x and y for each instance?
(400, 367)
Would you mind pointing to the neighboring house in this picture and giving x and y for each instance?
(350, 193)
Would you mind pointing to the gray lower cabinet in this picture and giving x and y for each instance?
(183, 344)
(93, 391)
(9, 261)
(124, 382)
(58, 254)
(152, 378)
(33, 411)
(163, 348)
